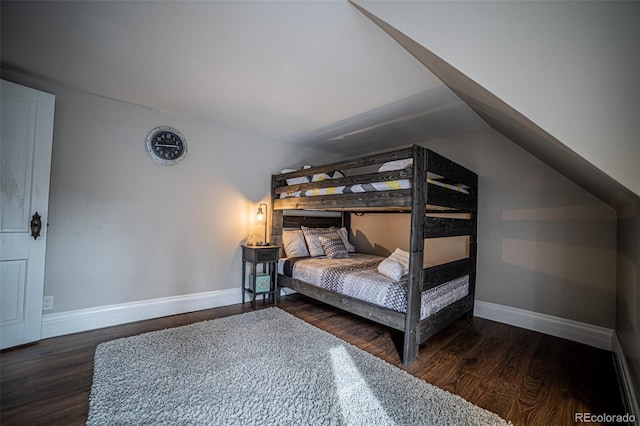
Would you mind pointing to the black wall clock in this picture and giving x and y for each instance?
(166, 145)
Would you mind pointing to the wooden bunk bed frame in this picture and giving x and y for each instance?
(420, 200)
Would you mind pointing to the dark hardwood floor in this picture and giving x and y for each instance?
(523, 376)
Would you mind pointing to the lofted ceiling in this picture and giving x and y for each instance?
(318, 74)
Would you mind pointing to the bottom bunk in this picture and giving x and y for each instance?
(353, 284)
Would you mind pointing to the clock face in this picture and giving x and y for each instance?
(166, 145)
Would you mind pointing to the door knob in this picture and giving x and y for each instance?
(36, 226)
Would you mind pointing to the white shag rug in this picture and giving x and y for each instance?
(261, 368)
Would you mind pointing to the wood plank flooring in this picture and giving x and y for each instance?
(523, 376)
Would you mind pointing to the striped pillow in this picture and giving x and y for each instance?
(333, 246)
(311, 237)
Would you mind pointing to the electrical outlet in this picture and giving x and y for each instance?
(47, 303)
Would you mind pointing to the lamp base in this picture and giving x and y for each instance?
(262, 244)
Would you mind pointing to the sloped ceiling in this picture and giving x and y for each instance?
(557, 78)
(313, 73)
(513, 124)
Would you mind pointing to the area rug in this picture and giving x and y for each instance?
(261, 368)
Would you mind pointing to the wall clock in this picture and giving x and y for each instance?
(166, 145)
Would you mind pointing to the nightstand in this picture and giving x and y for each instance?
(265, 284)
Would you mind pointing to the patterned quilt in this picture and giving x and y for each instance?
(367, 187)
(357, 276)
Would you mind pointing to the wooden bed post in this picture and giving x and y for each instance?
(473, 246)
(276, 220)
(346, 221)
(276, 229)
(416, 247)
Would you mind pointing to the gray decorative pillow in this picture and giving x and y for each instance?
(333, 246)
(311, 237)
(294, 244)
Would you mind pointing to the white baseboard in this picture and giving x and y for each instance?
(581, 332)
(62, 323)
(626, 380)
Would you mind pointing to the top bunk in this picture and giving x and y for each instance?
(381, 182)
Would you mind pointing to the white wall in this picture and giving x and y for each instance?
(381, 234)
(570, 67)
(544, 244)
(123, 228)
(628, 295)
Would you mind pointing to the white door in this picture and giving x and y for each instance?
(26, 124)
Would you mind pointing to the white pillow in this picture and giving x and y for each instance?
(396, 165)
(294, 244)
(392, 269)
(395, 266)
(313, 243)
(344, 235)
(401, 256)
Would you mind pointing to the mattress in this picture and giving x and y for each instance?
(357, 276)
(367, 187)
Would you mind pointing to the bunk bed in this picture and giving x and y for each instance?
(425, 184)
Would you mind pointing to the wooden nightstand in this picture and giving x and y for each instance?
(268, 257)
